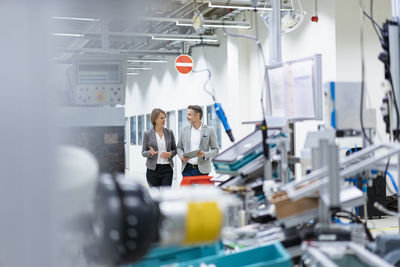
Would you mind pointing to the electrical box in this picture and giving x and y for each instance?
(343, 107)
(98, 80)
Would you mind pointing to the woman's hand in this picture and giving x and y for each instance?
(201, 154)
(166, 155)
(152, 152)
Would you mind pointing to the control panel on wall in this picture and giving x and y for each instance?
(99, 81)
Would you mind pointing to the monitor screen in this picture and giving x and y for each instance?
(99, 72)
(294, 89)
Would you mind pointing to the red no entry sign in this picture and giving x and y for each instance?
(184, 64)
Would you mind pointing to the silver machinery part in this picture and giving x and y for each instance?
(326, 253)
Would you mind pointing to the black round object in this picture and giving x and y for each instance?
(126, 219)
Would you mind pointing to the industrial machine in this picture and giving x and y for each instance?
(98, 80)
(258, 212)
(100, 130)
(128, 219)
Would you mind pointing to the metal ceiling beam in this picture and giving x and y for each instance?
(186, 5)
(139, 34)
(216, 21)
(119, 51)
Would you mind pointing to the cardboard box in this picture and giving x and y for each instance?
(286, 208)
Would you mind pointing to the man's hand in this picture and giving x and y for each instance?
(152, 152)
(184, 159)
(201, 154)
(166, 155)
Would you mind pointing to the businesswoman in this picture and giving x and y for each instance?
(159, 148)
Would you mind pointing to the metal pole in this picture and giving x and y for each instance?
(398, 183)
(284, 162)
(394, 44)
(395, 70)
(395, 8)
(323, 209)
(275, 56)
(334, 178)
(275, 33)
(365, 198)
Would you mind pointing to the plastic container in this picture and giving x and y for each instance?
(170, 255)
(272, 255)
(201, 179)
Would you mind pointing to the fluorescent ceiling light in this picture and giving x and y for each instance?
(221, 25)
(188, 38)
(146, 61)
(242, 7)
(76, 18)
(138, 68)
(69, 34)
(132, 73)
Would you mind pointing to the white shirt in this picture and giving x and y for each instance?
(161, 148)
(195, 137)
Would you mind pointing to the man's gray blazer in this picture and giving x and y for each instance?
(150, 140)
(208, 144)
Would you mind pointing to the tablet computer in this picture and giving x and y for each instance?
(191, 154)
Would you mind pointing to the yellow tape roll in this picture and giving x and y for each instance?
(203, 222)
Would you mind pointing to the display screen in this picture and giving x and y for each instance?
(99, 72)
(294, 89)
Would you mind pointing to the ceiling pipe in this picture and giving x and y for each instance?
(200, 45)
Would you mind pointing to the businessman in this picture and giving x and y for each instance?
(195, 136)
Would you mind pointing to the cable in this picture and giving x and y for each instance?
(386, 172)
(393, 181)
(362, 71)
(396, 134)
(212, 94)
(384, 210)
(374, 24)
(217, 106)
(371, 17)
(355, 218)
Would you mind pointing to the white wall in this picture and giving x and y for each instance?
(237, 70)
(348, 66)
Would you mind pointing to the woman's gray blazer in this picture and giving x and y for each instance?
(150, 140)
